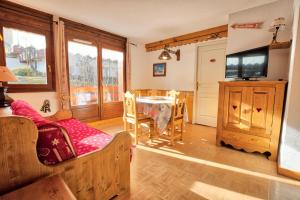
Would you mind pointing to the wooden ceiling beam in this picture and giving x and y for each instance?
(199, 36)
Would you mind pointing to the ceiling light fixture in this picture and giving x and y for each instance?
(165, 54)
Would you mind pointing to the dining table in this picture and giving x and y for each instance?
(159, 108)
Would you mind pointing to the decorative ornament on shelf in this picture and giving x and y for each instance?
(5, 76)
(165, 54)
(277, 25)
(46, 106)
(254, 25)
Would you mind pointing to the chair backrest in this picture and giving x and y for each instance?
(178, 108)
(173, 93)
(129, 105)
(137, 93)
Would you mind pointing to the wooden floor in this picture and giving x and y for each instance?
(197, 169)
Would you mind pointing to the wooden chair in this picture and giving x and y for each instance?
(176, 124)
(137, 93)
(132, 117)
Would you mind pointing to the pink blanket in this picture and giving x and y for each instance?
(84, 138)
(61, 140)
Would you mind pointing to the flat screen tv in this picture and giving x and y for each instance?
(248, 64)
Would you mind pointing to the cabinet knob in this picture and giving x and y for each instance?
(234, 107)
(258, 109)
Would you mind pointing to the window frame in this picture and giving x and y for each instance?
(50, 67)
(71, 37)
(105, 40)
(122, 50)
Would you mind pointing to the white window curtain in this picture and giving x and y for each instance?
(61, 64)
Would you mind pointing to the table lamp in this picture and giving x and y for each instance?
(5, 76)
(277, 25)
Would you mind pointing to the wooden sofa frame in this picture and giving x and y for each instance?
(102, 174)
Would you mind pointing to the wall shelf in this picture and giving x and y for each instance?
(281, 45)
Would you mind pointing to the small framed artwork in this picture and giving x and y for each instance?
(159, 69)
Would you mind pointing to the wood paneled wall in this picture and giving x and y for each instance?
(189, 95)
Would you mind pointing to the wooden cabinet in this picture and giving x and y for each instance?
(249, 115)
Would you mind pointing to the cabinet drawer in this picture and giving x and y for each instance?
(245, 140)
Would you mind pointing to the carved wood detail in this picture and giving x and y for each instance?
(250, 114)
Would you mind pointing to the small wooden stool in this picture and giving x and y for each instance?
(47, 189)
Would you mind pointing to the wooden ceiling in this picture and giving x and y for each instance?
(199, 36)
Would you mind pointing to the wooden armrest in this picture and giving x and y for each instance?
(61, 115)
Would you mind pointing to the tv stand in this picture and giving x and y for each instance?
(250, 115)
(247, 79)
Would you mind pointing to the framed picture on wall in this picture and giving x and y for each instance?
(159, 69)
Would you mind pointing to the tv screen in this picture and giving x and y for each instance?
(248, 64)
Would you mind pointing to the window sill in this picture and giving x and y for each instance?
(29, 89)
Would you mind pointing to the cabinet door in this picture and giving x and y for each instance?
(262, 106)
(233, 117)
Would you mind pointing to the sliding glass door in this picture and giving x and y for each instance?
(96, 77)
(83, 79)
(112, 82)
(83, 72)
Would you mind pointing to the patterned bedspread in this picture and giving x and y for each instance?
(61, 140)
(84, 138)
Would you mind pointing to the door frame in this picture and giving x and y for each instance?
(202, 44)
(99, 43)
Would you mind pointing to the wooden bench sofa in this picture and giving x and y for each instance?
(101, 174)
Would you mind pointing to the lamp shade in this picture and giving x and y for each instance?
(164, 55)
(278, 23)
(6, 75)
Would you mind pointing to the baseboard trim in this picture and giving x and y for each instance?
(289, 173)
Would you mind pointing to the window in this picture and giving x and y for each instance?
(26, 48)
(25, 56)
(96, 72)
(112, 75)
(83, 73)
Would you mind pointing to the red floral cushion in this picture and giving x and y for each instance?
(52, 147)
(84, 138)
(22, 108)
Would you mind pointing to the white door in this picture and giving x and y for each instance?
(210, 70)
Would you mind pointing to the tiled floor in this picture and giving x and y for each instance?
(197, 169)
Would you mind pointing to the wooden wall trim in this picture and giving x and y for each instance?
(9, 9)
(24, 16)
(199, 36)
(105, 36)
(19, 9)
